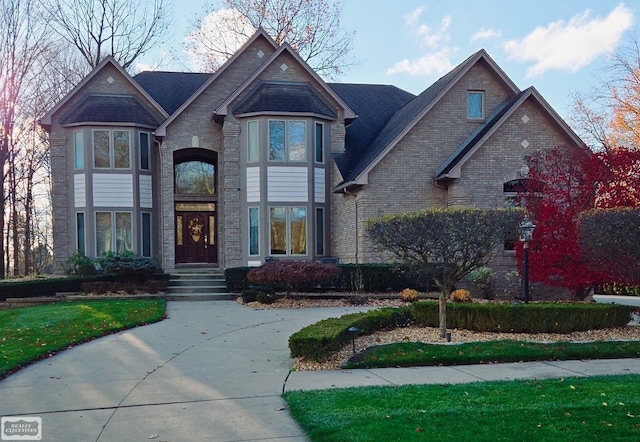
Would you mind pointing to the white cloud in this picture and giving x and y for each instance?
(486, 34)
(433, 63)
(571, 45)
(437, 60)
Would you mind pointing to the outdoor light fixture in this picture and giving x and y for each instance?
(354, 331)
(526, 235)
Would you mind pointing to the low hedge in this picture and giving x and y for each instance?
(51, 286)
(521, 318)
(355, 277)
(318, 341)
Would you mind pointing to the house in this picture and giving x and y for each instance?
(264, 159)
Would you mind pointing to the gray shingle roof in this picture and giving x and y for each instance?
(285, 97)
(395, 125)
(171, 89)
(111, 109)
(374, 105)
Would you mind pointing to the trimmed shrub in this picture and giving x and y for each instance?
(409, 295)
(294, 275)
(384, 277)
(79, 265)
(127, 265)
(236, 278)
(318, 341)
(323, 338)
(483, 279)
(460, 295)
(521, 318)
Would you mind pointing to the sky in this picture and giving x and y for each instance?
(557, 46)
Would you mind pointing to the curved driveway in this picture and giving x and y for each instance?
(213, 371)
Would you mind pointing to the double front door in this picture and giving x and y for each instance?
(196, 235)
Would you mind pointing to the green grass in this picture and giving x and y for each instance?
(576, 409)
(31, 333)
(407, 354)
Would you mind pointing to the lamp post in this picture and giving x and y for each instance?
(354, 331)
(526, 234)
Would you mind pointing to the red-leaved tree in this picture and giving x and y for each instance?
(574, 180)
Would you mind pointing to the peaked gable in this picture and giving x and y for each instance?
(223, 109)
(410, 114)
(451, 168)
(107, 61)
(259, 34)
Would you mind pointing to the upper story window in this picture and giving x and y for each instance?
(78, 150)
(112, 149)
(319, 143)
(144, 151)
(195, 178)
(287, 140)
(475, 105)
(253, 145)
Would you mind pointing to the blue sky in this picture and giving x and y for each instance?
(557, 46)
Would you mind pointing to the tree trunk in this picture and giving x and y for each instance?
(442, 313)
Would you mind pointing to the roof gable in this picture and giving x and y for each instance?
(410, 114)
(452, 167)
(95, 108)
(260, 33)
(279, 98)
(107, 61)
(223, 109)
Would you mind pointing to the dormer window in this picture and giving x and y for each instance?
(475, 105)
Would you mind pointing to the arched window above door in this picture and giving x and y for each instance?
(195, 178)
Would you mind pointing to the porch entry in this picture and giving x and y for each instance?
(196, 240)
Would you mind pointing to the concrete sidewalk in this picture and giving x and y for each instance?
(213, 371)
(318, 380)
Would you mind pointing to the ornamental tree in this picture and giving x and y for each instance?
(610, 239)
(574, 180)
(458, 241)
(567, 189)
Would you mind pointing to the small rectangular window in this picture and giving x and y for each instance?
(253, 154)
(297, 145)
(276, 140)
(278, 224)
(101, 149)
(475, 105)
(123, 232)
(78, 150)
(319, 231)
(146, 234)
(104, 232)
(319, 143)
(298, 230)
(144, 151)
(254, 231)
(121, 149)
(80, 233)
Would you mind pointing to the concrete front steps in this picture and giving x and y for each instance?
(198, 285)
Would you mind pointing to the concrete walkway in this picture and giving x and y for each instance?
(213, 371)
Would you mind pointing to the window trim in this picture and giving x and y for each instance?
(471, 92)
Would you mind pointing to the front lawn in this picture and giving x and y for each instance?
(587, 409)
(31, 333)
(407, 354)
